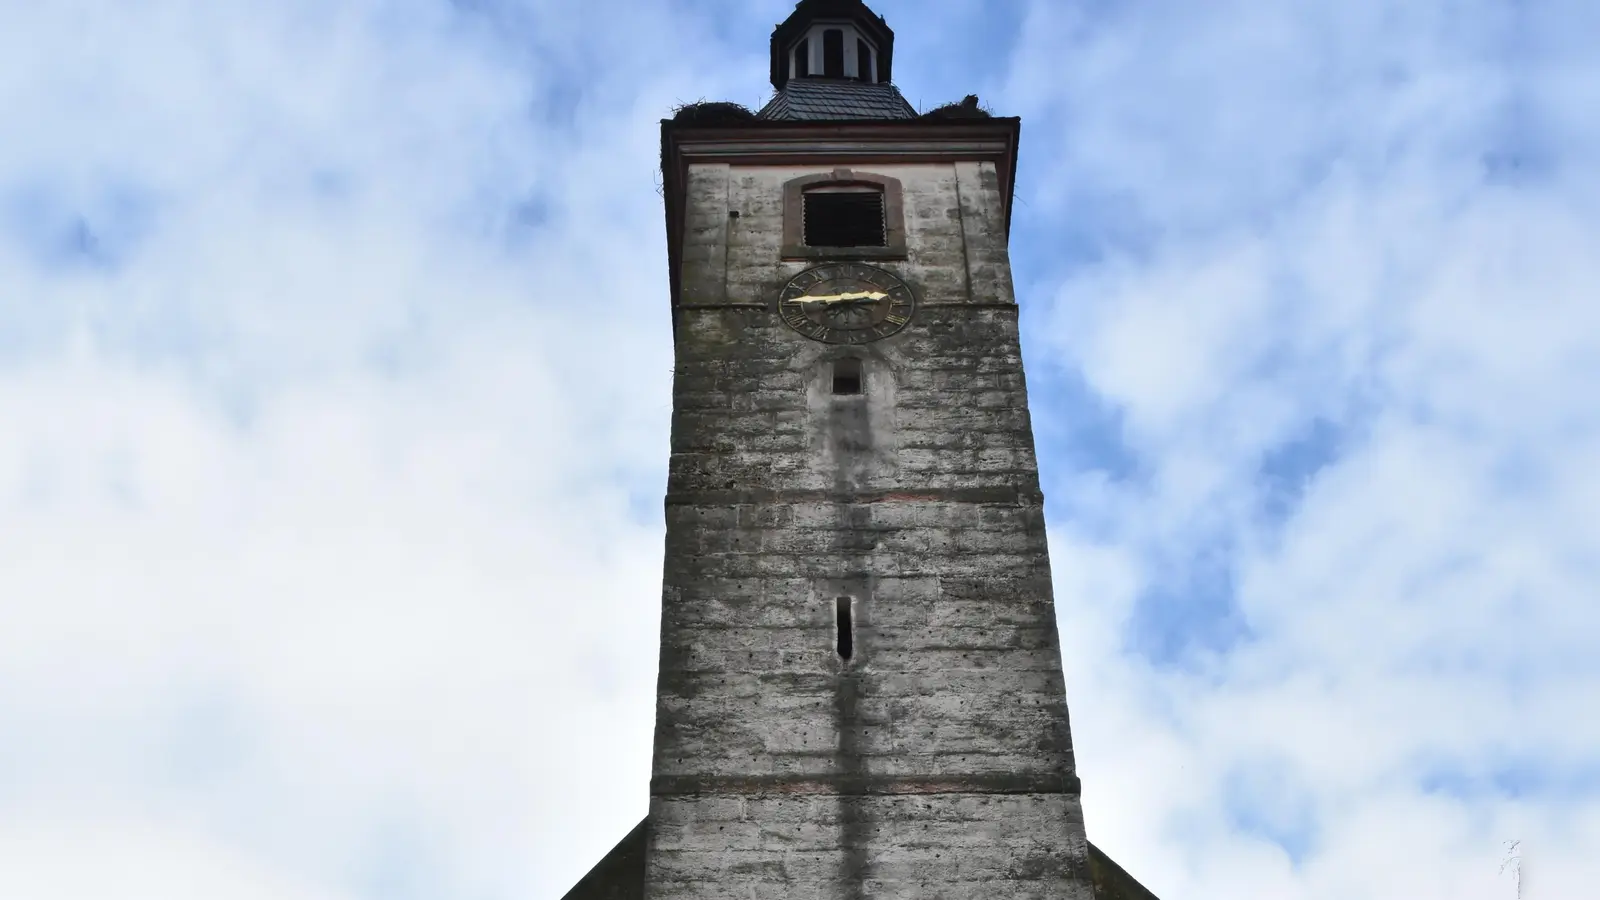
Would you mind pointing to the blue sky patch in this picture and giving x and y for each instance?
(1288, 469)
(65, 230)
(1514, 778)
(1268, 800)
(1190, 613)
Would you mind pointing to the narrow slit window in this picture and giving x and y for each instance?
(863, 61)
(802, 58)
(845, 638)
(833, 53)
(847, 217)
(847, 376)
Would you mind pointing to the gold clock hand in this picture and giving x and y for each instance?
(846, 297)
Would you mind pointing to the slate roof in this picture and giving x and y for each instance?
(832, 99)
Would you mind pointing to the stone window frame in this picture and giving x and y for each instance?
(894, 216)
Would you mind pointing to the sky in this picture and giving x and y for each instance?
(335, 374)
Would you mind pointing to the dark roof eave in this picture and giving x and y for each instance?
(920, 123)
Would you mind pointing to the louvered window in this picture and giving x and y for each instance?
(844, 217)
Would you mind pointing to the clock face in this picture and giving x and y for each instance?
(846, 303)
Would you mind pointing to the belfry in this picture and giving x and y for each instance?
(860, 690)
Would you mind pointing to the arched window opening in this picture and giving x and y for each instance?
(802, 58)
(844, 216)
(833, 53)
(863, 61)
(847, 375)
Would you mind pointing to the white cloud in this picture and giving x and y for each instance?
(329, 560)
(1341, 213)
(75, 859)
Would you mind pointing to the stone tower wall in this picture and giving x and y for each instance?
(937, 762)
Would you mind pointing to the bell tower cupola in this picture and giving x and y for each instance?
(832, 39)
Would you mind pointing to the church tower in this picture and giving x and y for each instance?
(860, 691)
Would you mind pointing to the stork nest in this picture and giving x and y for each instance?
(705, 112)
(968, 108)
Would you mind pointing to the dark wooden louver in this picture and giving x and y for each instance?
(844, 219)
